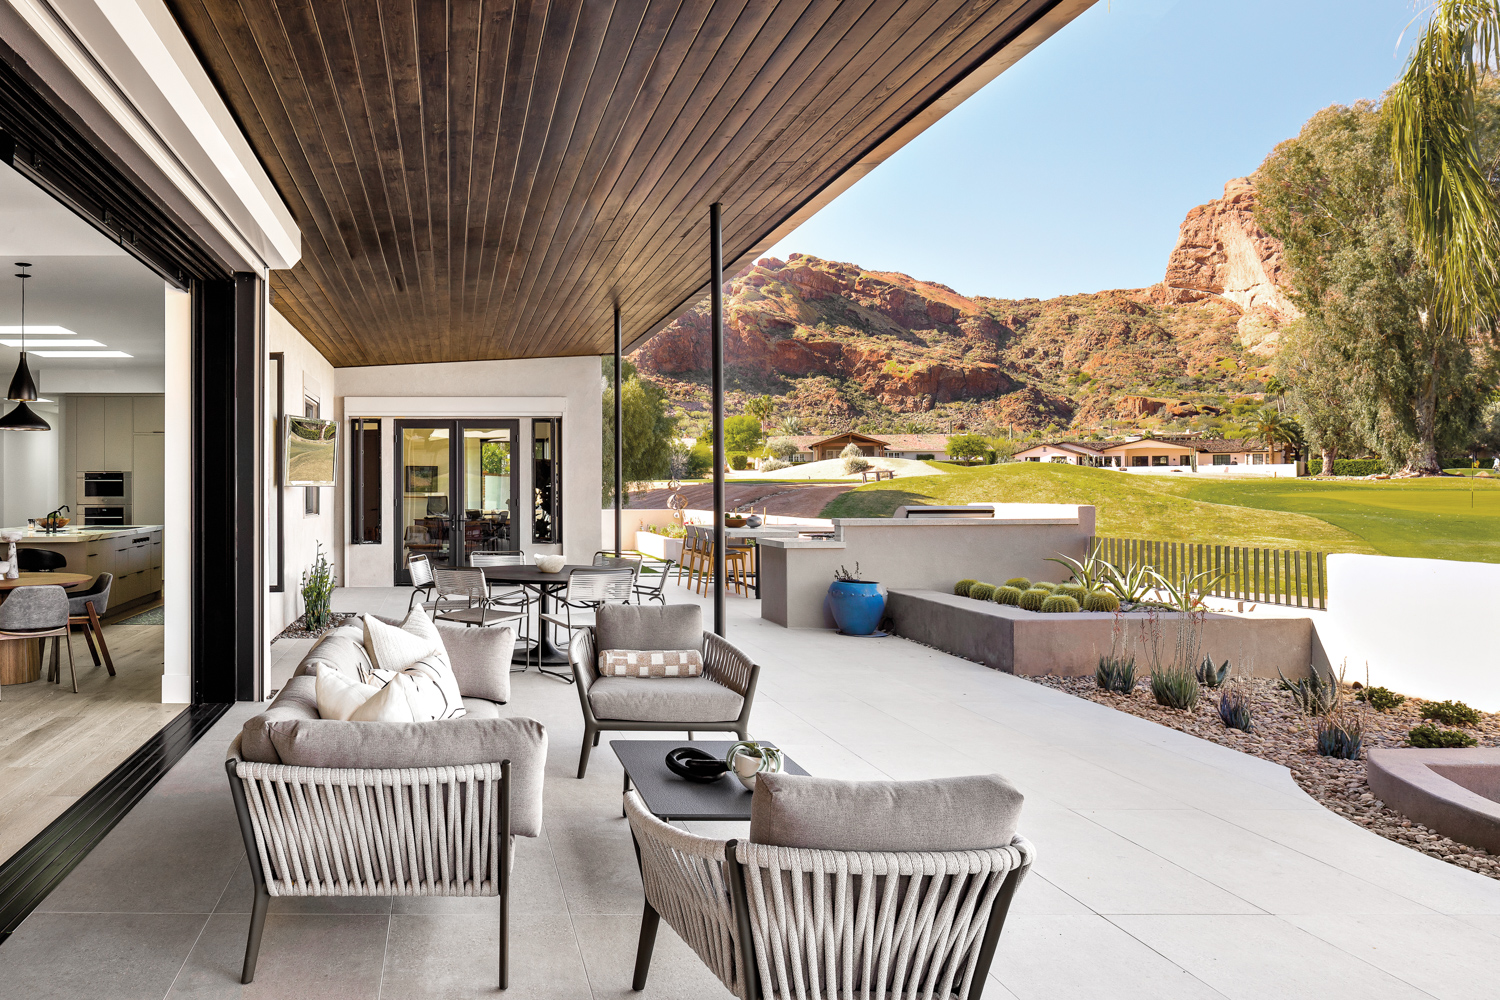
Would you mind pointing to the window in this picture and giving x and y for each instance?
(1158, 459)
(1033, 458)
(1258, 460)
(1139, 461)
(364, 482)
(546, 480)
(1062, 459)
(311, 504)
(1221, 459)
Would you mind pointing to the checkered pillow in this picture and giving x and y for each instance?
(650, 663)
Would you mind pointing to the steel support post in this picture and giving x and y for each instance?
(619, 436)
(716, 297)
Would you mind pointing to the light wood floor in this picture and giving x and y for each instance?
(55, 745)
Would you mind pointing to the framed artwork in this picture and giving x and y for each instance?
(421, 479)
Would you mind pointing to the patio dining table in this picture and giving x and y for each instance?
(545, 585)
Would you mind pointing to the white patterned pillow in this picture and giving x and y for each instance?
(415, 649)
(650, 663)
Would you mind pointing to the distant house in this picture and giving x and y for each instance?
(919, 447)
(922, 447)
(831, 447)
(1066, 453)
(1154, 453)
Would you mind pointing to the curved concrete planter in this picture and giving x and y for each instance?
(1455, 792)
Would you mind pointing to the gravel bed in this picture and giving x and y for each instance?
(1282, 734)
(299, 630)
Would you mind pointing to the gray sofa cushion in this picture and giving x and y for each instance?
(481, 708)
(298, 700)
(343, 649)
(663, 699)
(628, 626)
(480, 659)
(449, 742)
(943, 814)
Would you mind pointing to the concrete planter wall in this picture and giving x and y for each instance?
(1030, 643)
(659, 546)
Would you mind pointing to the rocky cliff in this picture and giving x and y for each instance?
(839, 346)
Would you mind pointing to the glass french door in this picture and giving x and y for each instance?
(455, 490)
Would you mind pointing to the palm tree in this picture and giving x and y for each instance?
(1277, 429)
(1450, 199)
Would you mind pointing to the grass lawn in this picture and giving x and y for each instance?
(1431, 518)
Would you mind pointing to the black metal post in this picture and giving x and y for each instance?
(716, 298)
(619, 435)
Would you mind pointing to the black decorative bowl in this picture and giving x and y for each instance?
(693, 764)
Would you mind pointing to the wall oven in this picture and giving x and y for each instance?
(103, 488)
(107, 515)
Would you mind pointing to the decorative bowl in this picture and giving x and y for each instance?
(754, 521)
(549, 563)
(734, 521)
(693, 764)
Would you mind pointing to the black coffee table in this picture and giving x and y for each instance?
(672, 798)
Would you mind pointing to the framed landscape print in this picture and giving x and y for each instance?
(421, 478)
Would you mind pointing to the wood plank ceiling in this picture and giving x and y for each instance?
(482, 179)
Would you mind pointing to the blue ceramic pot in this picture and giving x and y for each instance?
(857, 607)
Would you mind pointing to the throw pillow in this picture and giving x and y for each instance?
(650, 663)
(339, 695)
(415, 648)
(392, 703)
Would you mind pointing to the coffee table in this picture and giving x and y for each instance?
(672, 798)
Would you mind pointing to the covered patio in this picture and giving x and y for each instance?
(1167, 866)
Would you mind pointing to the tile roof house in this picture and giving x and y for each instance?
(1152, 452)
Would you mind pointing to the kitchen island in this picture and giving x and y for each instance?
(132, 552)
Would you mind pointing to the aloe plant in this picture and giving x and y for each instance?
(1130, 585)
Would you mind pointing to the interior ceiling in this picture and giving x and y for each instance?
(488, 179)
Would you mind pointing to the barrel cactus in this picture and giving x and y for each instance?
(1059, 604)
(982, 591)
(1031, 600)
(961, 588)
(1074, 590)
(1019, 582)
(1007, 595)
(1100, 600)
(1044, 585)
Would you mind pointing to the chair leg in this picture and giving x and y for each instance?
(88, 638)
(54, 673)
(98, 628)
(650, 920)
(257, 925)
(590, 737)
(73, 673)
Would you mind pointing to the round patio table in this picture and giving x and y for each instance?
(545, 585)
(20, 659)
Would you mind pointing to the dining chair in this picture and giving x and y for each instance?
(38, 613)
(651, 581)
(587, 590)
(605, 559)
(84, 608)
(513, 598)
(468, 585)
(420, 568)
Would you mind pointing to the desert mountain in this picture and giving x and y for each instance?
(840, 346)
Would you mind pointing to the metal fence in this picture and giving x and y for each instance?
(1269, 576)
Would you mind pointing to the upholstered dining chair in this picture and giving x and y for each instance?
(38, 613)
(84, 608)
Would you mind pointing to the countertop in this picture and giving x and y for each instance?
(87, 534)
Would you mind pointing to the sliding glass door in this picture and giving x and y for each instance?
(455, 492)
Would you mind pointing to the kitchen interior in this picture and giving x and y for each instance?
(82, 496)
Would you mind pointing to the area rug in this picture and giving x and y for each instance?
(152, 617)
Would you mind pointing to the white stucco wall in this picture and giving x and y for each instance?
(520, 390)
(1425, 627)
(177, 502)
(308, 373)
(29, 467)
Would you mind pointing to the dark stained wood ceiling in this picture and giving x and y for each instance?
(483, 179)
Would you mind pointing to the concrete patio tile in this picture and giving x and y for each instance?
(1052, 957)
(1039, 897)
(595, 862)
(86, 956)
(1448, 958)
(1259, 957)
(240, 894)
(301, 955)
(609, 947)
(1274, 878)
(455, 956)
(1174, 777)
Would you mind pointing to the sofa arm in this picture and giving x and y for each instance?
(726, 664)
(584, 658)
(481, 659)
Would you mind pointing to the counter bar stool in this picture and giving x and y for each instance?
(38, 613)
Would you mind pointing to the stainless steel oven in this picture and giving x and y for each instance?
(106, 515)
(103, 488)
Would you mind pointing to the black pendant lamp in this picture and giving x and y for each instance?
(22, 387)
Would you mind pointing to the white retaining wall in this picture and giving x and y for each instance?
(1425, 627)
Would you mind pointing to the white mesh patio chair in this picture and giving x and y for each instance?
(651, 581)
(467, 594)
(507, 597)
(587, 590)
(424, 585)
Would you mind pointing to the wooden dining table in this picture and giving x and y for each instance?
(21, 659)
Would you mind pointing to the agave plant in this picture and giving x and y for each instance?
(1090, 571)
(1115, 674)
(1175, 687)
(1313, 695)
(1211, 676)
(1234, 709)
(1186, 594)
(1131, 585)
(1340, 734)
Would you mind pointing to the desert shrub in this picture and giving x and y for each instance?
(961, 588)
(1340, 734)
(1076, 591)
(1209, 675)
(1101, 600)
(774, 464)
(850, 450)
(1234, 709)
(855, 463)
(1032, 600)
(1059, 604)
(1175, 687)
(1450, 713)
(1314, 695)
(1044, 585)
(1348, 466)
(1007, 595)
(982, 591)
(1019, 582)
(1115, 674)
(738, 460)
(1430, 737)
(1379, 698)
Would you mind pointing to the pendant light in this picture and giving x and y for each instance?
(22, 387)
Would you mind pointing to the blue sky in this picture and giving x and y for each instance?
(1072, 171)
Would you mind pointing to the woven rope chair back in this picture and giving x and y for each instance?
(421, 570)
(465, 582)
(828, 924)
(597, 586)
(28, 609)
(497, 558)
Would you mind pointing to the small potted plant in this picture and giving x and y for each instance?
(857, 605)
(748, 758)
